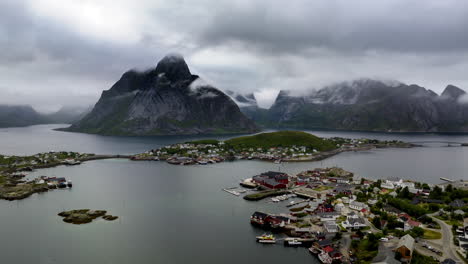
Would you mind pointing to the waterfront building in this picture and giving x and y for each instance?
(272, 179)
(258, 218)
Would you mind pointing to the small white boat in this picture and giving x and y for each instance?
(293, 242)
(267, 241)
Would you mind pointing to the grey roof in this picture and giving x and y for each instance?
(358, 220)
(460, 212)
(407, 241)
(329, 225)
(457, 203)
(324, 214)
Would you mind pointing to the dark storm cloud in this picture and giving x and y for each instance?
(66, 52)
(346, 26)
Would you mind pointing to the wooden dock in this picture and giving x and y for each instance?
(296, 203)
(231, 191)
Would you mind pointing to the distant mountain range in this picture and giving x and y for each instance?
(25, 115)
(169, 100)
(369, 105)
(166, 100)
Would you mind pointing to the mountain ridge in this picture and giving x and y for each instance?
(165, 100)
(370, 105)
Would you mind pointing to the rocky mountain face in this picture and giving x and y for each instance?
(372, 106)
(19, 115)
(166, 100)
(248, 105)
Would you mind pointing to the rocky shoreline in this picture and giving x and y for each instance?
(85, 216)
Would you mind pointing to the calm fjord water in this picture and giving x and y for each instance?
(174, 214)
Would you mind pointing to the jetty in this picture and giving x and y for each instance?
(232, 191)
(298, 202)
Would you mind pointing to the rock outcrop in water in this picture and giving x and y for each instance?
(84, 216)
(166, 100)
(371, 105)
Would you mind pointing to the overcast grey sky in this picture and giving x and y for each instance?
(56, 52)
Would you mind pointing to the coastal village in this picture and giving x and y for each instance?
(204, 152)
(14, 169)
(341, 218)
(335, 215)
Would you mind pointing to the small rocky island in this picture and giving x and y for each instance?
(84, 216)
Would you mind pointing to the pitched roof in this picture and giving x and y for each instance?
(407, 241)
(457, 203)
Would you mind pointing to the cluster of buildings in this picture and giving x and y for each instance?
(332, 206)
(216, 151)
(52, 157)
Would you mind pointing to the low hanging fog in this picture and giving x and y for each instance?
(57, 53)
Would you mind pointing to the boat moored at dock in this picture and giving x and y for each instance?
(266, 239)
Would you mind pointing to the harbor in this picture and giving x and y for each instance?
(324, 209)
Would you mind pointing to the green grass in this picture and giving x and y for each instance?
(281, 139)
(429, 234)
(422, 259)
(264, 194)
(303, 224)
(454, 222)
(205, 141)
(322, 188)
(365, 251)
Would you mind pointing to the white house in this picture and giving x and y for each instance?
(339, 207)
(345, 200)
(328, 216)
(358, 206)
(354, 221)
(330, 226)
(407, 184)
(387, 185)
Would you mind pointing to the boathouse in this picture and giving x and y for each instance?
(271, 179)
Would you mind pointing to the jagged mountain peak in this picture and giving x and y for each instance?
(166, 100)
(452, 92)
(242, 100)
(174, 68)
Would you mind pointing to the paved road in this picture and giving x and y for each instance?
(385, 253)
(449, 248)
(345, 245)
